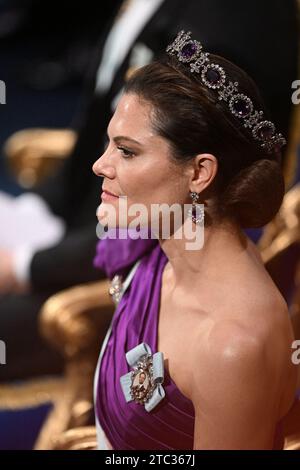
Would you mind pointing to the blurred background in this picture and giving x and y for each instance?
(45, 50)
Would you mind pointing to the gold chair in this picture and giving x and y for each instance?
(280, 249)
(283, 230)
(75, 322)
(33, 154)
(280, 244)
(82, 438)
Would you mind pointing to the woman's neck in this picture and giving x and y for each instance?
(221, 244)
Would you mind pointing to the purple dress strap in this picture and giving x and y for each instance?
(116, 256)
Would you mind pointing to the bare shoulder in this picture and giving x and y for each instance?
(252, 313)
(243, 379)
(247, 348)
(250, 327)
(234, 345)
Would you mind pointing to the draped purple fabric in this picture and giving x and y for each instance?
(128, 426)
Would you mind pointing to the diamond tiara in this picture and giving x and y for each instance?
(213, 76)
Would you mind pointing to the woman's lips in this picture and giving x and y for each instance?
(107, 196)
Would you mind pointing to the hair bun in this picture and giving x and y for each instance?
(254, 195)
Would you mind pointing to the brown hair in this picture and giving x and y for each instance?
(249, 184)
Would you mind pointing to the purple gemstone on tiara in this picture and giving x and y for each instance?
(264, 130)
(274, 144)
(241, 107)
(265, 133)
(189, 50)
(213, 76)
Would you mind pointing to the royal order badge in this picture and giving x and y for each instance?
(144, 384)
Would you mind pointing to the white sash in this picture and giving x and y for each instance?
(103, 443)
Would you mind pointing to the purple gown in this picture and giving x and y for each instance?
(128, 426)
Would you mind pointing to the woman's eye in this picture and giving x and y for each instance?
(125, 152)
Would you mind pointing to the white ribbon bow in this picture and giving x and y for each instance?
(144, 383)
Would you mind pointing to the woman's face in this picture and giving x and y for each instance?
(137, 166)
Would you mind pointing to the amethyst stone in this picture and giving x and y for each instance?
(189, 50)
(241, 107)
(213, 76)
(265, 132)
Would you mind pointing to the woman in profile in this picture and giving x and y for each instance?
(198, 355)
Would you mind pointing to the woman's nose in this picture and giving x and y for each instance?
(97, 167)
(102, 167)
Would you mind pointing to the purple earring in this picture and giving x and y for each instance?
(196, 212)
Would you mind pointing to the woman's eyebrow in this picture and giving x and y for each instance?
(122, 138)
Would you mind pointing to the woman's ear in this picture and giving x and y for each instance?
(203, 172)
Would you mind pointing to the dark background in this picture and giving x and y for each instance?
(45, 50)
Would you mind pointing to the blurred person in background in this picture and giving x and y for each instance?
(260, 37)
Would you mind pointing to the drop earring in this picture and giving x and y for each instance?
(196, 212)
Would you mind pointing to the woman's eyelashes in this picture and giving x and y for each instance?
(126, 153)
